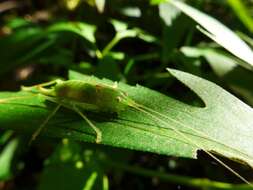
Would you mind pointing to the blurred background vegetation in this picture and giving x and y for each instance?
(122, 40)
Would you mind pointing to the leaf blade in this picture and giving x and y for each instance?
(216, 127)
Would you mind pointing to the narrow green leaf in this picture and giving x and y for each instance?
(219, 33)
(242, 13)
(6, 157)
(247, 39)
(31, 42)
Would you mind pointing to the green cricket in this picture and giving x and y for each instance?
(79, 96)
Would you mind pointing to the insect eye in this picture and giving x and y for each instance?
(98, 88)
(119, 99)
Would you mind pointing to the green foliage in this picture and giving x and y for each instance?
(132, 42)
(147, 135)
(219, 33)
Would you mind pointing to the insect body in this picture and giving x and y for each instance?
(80, 95)
(91, 97)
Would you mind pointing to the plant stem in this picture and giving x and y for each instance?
(119, 36)
(110, 45)
(177, 179)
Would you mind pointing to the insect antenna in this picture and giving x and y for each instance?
(149, 112)
(28, 89)
(6, 100)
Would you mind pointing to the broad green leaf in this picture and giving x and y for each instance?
(219, 33)
(223, 126)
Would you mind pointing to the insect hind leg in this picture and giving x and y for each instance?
(98, 132)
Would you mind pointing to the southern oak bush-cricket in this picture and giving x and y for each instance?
(91, 96)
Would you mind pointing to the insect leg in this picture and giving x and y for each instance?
(28, 88)
(37, 132)
(49, 83)
(98, 132)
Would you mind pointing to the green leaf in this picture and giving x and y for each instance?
(24, 45)
(123, 32)
(82, 29)
(242, 13)
(168, 13)
(174, 24)
(100, 4)
(223, 126)
(246, 38)
(70, 5)
(6, 157)
(29, 43)
(219, 33)
(119, 26)
(131, 12)
(69, 161)
(220, 63)
(155, 2)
